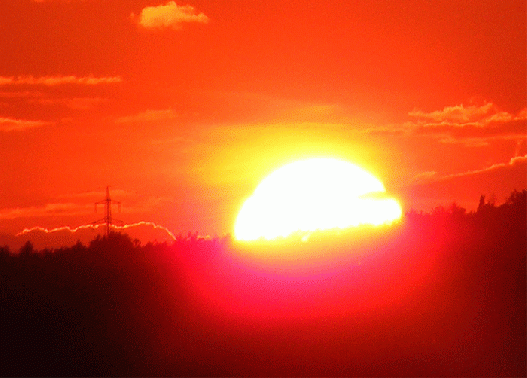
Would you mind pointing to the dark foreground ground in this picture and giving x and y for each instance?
(442, 294)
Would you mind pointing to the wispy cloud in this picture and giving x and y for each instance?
(423, 177)
(169, 15)
(459, 114)
(58, 1)
(135, 203)
(148, 116)
(179, 140)
(64, 236)
(473, 125)
(58, 80)
(93, 196)
(82, 205)
(11, 124)
(84, 103)
(50, 209)
(20, 94)
(76, 103)
(470, 125)
(513, 164)
(430, 189)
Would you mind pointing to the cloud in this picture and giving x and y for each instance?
(82, 204)
(170, 15)
(76, 103)
(50, 209)
(385, 131)
(94, 196)
(424, 177)
(476, 135)
(148, 116)
(515, 162)
(133, 203)
(84, 103)
(66, 236)
(471, 125)
(57, 1)
(11, 124)
(58, 80)
(20, 94)
(497, 179)
(457, 114)
(461, 116)
(179, 140)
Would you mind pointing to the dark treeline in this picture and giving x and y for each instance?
(445, 295)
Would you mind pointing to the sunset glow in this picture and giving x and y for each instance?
(183, 106)
(263, 188)
(314, 194)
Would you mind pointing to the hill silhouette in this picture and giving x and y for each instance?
(441, 294)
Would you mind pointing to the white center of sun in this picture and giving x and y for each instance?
(314, 194)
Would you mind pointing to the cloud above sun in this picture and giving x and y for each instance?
(58, 1)
(58, 80)
(517, 163)
(75, 103)
(50, 209)
(170, 15)
(148, 116)
(471, 125)
(12, 124)
(460, 114)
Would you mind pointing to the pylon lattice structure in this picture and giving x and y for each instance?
(108, 219)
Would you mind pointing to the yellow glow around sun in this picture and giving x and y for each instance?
(314, 194)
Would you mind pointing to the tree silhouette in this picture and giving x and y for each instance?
(444, 295)
(27, 249)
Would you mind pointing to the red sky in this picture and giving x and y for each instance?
(183, 108)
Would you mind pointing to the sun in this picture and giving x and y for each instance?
(311, 195)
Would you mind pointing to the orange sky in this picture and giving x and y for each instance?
(183, 108)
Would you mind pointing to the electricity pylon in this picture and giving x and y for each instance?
(108, 220)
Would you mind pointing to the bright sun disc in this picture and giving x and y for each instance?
(314, 194)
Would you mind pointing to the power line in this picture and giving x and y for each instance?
(108, 220)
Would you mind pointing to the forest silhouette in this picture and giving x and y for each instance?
(442, 295)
